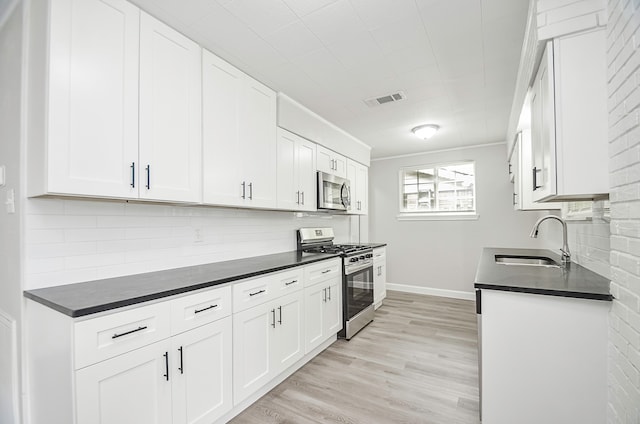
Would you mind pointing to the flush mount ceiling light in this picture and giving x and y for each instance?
(425, 131)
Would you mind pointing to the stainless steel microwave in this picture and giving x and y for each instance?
(333, 192)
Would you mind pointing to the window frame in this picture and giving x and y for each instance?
(407, 215)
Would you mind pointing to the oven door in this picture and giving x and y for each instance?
(358, 290)
(333, 192)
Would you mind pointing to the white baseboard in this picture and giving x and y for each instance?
(454, 294)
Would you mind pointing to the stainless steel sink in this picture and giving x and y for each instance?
(526, 260)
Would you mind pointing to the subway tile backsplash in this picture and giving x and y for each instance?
(73, 240)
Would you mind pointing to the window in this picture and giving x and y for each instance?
(438, 190)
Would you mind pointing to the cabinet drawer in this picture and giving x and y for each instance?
(200, 308)
(322, 271)
(110, 335)
(287, 282)
(379, 253)
(252, 292)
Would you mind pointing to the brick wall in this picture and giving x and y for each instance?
(623, 60)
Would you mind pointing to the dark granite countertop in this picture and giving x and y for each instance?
(373, 245)
(573, 281)
(79, 299)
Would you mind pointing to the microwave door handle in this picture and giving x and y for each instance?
(345, 196)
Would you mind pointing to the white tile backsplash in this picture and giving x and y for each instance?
(75, 240)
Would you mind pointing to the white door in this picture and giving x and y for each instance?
(222, 91)
(288, 192)
(307, 180)
(170, 113)
(324, 160)
(314, 310)
(332, 315)
(288, 343)
(340, 165)
(133, 388)
(252, 340)
(202, 386)
(258, 144)
(93, 98)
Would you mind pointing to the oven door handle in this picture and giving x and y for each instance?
(355, 268)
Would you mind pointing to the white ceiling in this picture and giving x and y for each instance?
(456, 60)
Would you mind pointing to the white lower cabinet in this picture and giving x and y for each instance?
(128, 389)
(267, 339)
(201, 377)
(193, 359)
(323, 311)
(379, 276)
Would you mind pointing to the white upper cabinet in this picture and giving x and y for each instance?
(89, 144)
(358, 175)
(521, 176)
(239, 137)
(569, 119)
(331, 162)
(170, 114)
(296, 172)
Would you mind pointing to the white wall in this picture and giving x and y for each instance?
(624, 165)
(10, 223)
(74, 240)
(441, 256)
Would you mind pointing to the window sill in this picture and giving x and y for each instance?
(438, 216)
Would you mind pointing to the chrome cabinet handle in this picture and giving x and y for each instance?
(250, 191)
(258, 292)
(302, 197)
(290, 282)
(273, 312)
(181, 367)
(324, 294)
(535, 174)
(133, 174)
(148, 177)
(244, 190)
(329, 290)
(325, 271)
(280, 314)
(297, 197)
(115, 336)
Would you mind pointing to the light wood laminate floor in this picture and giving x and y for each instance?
(415, 363)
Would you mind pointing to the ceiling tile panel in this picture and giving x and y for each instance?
(379, 13)
(264, 16)
(406, 33)
(335, 23)
(305, 7)
(294, 40)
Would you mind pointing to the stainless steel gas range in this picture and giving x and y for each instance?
(357, 276)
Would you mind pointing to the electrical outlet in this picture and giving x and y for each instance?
(197, 235)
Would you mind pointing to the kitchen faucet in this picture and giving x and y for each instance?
(566, 255)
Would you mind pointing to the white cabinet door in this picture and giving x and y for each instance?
(133, 388)
(331, 162)
(288, 191)
(358, 175)
(252, 340)
(170, 114)
(543, 128)
(288, 343)
(307, 180)
(258, 144)
(222, 90)
(379, 275)
(332, 315)
(314, 299)
(296, 172)
(92, 146)
(202, 373)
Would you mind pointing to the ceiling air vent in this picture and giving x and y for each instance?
(389, 98)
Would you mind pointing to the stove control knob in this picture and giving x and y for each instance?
(369, 255)
(353, 260)
(362, 258)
